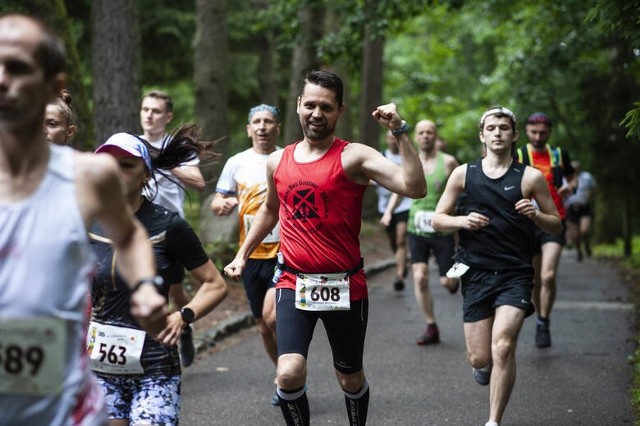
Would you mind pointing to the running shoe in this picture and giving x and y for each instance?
(483, 375)
(398, 284)
(543, 335)
(187, 348)
(431, 336)
(275, 400)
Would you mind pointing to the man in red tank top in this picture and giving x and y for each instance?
(315, 188)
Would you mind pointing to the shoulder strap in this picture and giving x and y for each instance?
(555, 155)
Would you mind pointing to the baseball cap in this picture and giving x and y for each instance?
(128, 144)
(539, 118)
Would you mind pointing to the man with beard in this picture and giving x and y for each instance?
(555, 165)
(315, 188)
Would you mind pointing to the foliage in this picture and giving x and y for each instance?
(447, 60)
(621, 19)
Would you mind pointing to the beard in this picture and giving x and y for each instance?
(317, 133)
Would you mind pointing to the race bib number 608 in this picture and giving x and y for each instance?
(327, 292)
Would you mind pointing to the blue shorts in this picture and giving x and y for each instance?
(442, 246)
(258, 278)
(346, 330)
(483, 291)
(144, 400)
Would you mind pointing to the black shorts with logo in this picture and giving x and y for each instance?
(484, 290)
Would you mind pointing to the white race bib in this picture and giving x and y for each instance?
(274, 235)
(323, 292)
(115, 350)
(422, 222)
(457, 270)
(32, 355)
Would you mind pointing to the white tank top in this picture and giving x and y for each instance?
(45, 265)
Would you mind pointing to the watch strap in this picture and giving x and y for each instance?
(156, 281)
(404, 128)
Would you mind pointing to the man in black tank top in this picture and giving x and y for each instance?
(489, 201)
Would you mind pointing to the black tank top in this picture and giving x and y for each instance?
(508, 241)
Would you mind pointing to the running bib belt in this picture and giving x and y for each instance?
(322, 292)
(115, 350)
(32, 355)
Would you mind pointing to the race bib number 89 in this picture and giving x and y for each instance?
(31, 355)
(327, 292)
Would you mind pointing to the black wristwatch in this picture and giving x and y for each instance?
(404, 128)
(157, 282)
(187, 315)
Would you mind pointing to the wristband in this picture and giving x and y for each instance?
(404, 128)
(157, 282)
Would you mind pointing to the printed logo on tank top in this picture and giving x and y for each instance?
(306, 206)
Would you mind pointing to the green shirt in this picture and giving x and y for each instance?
(422, 209)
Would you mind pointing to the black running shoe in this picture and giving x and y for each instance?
(398, 285)
(543, 335)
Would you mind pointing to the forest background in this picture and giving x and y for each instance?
(449, 60)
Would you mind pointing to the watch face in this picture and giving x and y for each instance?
(187, 315)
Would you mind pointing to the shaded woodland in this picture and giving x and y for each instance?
(577, 60)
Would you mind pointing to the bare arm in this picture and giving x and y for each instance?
(212, 290)
(189, 176)
(444, 219)
(534, 185)
(102, 199)
(263, 223)
(407, 180)
(222, 204)
(394, 201)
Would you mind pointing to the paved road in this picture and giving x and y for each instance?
(583, 379)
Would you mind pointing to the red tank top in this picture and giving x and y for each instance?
(320, 217)
(542, 162)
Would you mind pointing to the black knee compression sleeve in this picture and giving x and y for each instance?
(357, 405)
(295, 406)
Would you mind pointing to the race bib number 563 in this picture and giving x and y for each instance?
(32, 355)
(115, 350)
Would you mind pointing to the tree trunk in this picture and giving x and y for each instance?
(266, 71)
(116, 67)
(210, 85)
(304, 58)
(371, 96)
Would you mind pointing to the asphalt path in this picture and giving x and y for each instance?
(583, 379)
